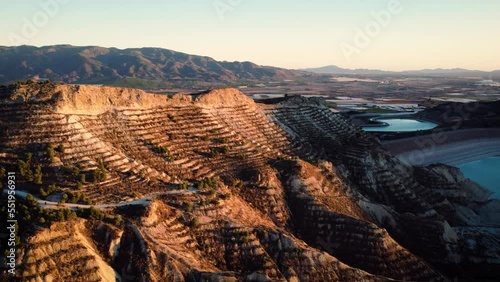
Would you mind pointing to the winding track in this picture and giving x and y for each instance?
(144, 201)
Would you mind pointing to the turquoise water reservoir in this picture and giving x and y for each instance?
(400, 124)
(485, 172)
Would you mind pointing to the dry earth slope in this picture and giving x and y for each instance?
(277, 192)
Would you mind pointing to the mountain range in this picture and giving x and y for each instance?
(332, 69)
(144, 67)
(150, 68)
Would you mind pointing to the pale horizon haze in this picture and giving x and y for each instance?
(374, 34)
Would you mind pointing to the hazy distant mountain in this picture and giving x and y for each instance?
(447, 72)
(426, 72)
(91, 64)
(338, 70)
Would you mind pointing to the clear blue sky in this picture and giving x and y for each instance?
(285, 33)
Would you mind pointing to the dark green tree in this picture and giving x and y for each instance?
(50, 153)
(38, 176)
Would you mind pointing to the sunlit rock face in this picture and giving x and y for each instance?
(276, 192)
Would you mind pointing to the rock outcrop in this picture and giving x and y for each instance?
(276, 192)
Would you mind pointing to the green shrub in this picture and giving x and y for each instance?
(53, 189)
(94, 213)
(207, 183)
(76, 198)
(118, 220)
(31, 200)
(202, 203)
(56, 215)
(214, 202)
(99, 175)
(42, 193)
(24, 167)
(213, 153)
(226, 196)
(298, 250)
(102, 165)
(60, 148)
(194, 222)
(245, 239)
(162, 151)
(82, 178)
(234, 182)
(50, 153)
(3, 175)
(187, 206)
(38, 176)
(183, 186)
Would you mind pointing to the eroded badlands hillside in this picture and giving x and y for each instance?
(225, 189)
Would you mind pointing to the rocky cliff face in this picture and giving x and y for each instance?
(280, 192)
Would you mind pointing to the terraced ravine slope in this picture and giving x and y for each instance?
(302, 194)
